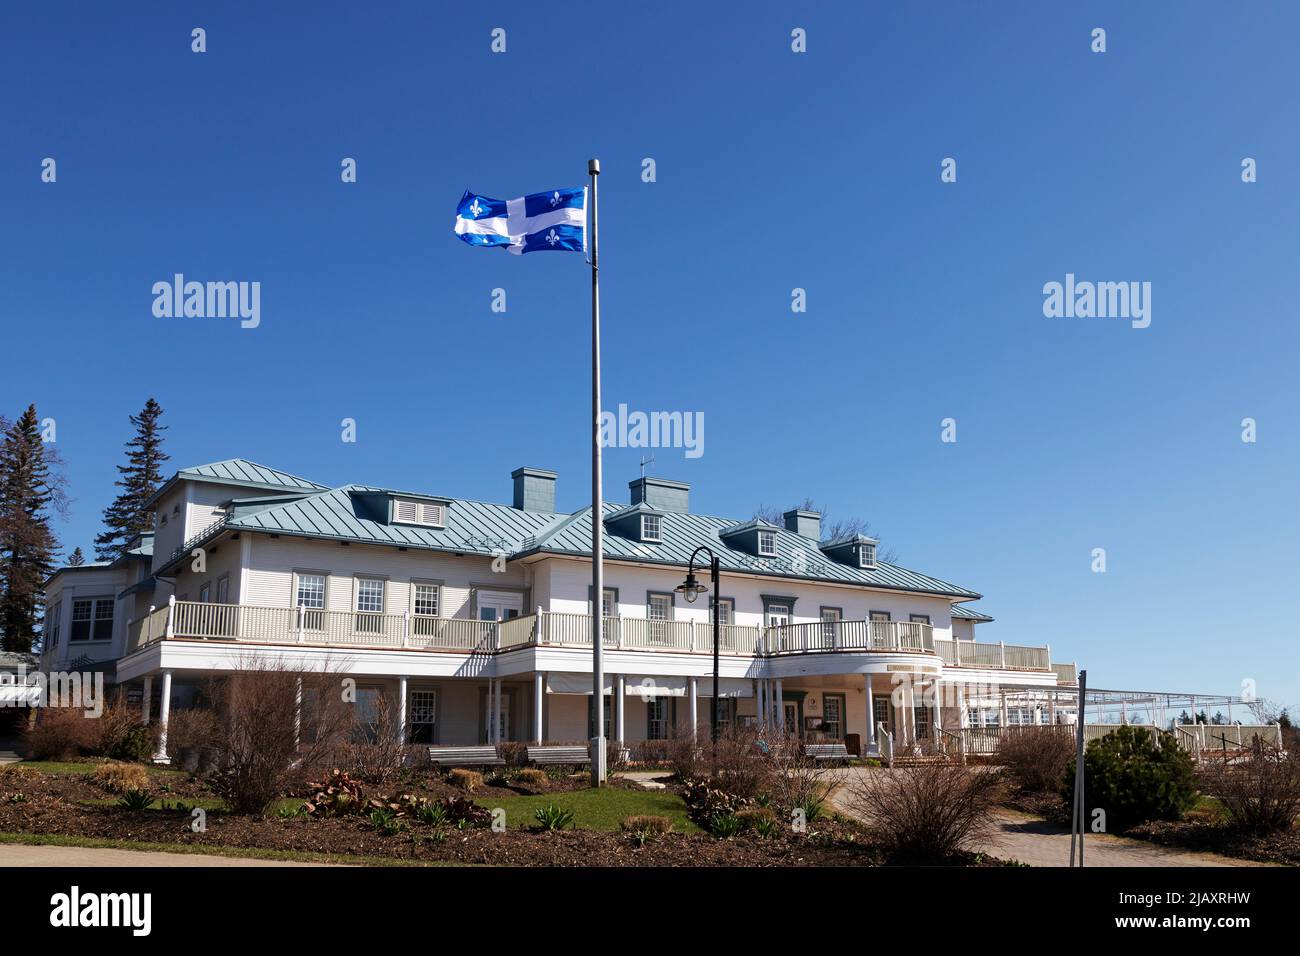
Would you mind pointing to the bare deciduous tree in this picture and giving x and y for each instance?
(832, 529)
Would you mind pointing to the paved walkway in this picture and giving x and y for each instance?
(12, 854)
(1039, 843)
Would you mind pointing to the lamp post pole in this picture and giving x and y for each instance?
(691, 589)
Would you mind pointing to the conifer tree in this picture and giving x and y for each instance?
(139, 478)
(76, 559)
(30, 486)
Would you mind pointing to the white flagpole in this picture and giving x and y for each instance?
(597, 522)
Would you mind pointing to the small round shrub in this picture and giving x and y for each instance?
(1133, 779)
(120, 777)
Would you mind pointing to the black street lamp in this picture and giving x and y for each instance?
(691, 588)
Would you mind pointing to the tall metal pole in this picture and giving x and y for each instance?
(597, 517)
(717, 641)
(1080, 804)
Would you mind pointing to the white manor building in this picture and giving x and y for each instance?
(475, 618)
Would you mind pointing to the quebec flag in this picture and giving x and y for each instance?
(554, 220)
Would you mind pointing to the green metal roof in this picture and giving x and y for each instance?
(239, 471)
(961, 612)
(347, 513)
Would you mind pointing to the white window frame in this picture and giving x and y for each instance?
(94, 619)
(313, 617)
(367, 620)
(728, 608)
(427, 706)
(223, 589)
(50, 626)
(766, 534)
(647, 523)
(867, 556)
(777, 610)
(658, 718)
(424, 623)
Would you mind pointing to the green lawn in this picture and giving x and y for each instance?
(602, 809)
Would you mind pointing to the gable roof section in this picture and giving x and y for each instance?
(961, 612)
(239, 471)
(342, 514)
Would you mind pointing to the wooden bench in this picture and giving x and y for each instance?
(465, 757)
(820, 752)
(559, 756)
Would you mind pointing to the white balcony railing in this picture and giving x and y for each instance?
(282, 625)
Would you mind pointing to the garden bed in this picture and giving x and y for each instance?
(68, 805)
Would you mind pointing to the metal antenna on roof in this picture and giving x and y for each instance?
(646, 461)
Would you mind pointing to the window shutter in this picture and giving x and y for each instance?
(431, 514)
(406, 511)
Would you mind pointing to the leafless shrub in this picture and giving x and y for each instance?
(259, 715)
(1260, 792)
(374, 750)
(929, 812)
(1037, 757)
(60, 733)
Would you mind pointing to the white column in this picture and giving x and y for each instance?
(938, 714)
(297, 713)
(780, 708)
(146, 703)
(621, 690)
(401, 708)
(164, 713)
(539, 698)
(871, 713)
(695, 708)
(496, 713)
(1002, 708)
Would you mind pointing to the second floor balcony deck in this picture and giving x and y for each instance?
(358, 629)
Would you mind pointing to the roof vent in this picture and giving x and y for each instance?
(534, 489)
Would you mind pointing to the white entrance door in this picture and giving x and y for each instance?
(499, 605)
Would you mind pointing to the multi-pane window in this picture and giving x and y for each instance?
(425, 608)
(51, 626)
(205, 592)
(919, 618)
(831, 617)
(92, 619)
(311, 598)
(867, 555)
(778, 615)
(726, 611)
(922, 713)
(423, 715)
(657, 721)
(880, 705)
(833, 715)
(223, 589)
(370, 605)
(659, 609)
(767, 543)
(370, 595)
(651, 528)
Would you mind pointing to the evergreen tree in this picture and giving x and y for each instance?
(76, 559)
(29, 487)
(139, 478)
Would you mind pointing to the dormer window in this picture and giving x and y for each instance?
(651, 528)
(410, 511)
(866, 555)
(767, 544)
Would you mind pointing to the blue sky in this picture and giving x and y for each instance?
(775, 171)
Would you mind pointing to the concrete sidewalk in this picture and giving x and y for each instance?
(12, 854)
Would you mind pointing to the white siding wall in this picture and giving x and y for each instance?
(269, 578)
